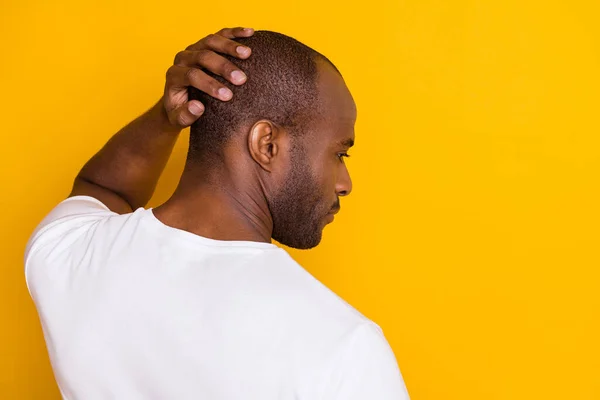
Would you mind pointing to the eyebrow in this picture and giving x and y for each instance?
(347, 142)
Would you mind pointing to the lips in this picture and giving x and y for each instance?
(331, 214)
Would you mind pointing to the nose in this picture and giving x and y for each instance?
(343, 186)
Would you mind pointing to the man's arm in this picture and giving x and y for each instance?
(124, 173)
(366, 368)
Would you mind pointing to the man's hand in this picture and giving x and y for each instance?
(187, 70)
(124, 173)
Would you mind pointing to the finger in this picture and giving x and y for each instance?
(220, 44)
(212, 62)
(231, 33)
(180, 77)
(186, 114)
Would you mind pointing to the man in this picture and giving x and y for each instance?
(191, 299)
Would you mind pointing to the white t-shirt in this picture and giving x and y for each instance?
(134, 309)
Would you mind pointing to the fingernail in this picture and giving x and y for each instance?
(248, 30)
(238, 76)
(195, 108)
(242, 51)
(225, 93)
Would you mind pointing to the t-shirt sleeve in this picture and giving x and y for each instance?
(367, 369)
(70, 219)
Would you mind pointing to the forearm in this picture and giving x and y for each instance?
(132, 161)
(124, 173)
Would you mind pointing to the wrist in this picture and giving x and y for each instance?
(159, 116)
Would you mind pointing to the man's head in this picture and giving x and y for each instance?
(290, 126)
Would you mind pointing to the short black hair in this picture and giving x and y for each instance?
(281, 87)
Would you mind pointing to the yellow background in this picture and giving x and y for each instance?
(471, 237)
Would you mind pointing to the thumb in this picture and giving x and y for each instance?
(186, 114)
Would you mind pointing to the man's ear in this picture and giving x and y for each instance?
(265, 143)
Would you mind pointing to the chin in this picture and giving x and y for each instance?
(301, 242)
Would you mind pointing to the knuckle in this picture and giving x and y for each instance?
(169, 74)
(181, 119)
(227, 67)
(203, 56)
(169, 106)
(191, 74)
(210, 38)
(179, 57)
(214, 88)
(222, 31)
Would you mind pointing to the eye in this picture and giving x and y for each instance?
(342, 155)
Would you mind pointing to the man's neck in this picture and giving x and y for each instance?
(227, 211)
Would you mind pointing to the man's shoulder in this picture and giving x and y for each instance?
(307, 301)
(76, 214)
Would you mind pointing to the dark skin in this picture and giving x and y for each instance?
(124, 173)
(233, 203)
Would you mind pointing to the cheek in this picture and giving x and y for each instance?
(327, 178)
(325, 169)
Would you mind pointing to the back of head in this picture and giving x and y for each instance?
(289, 127)
(281, 87)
